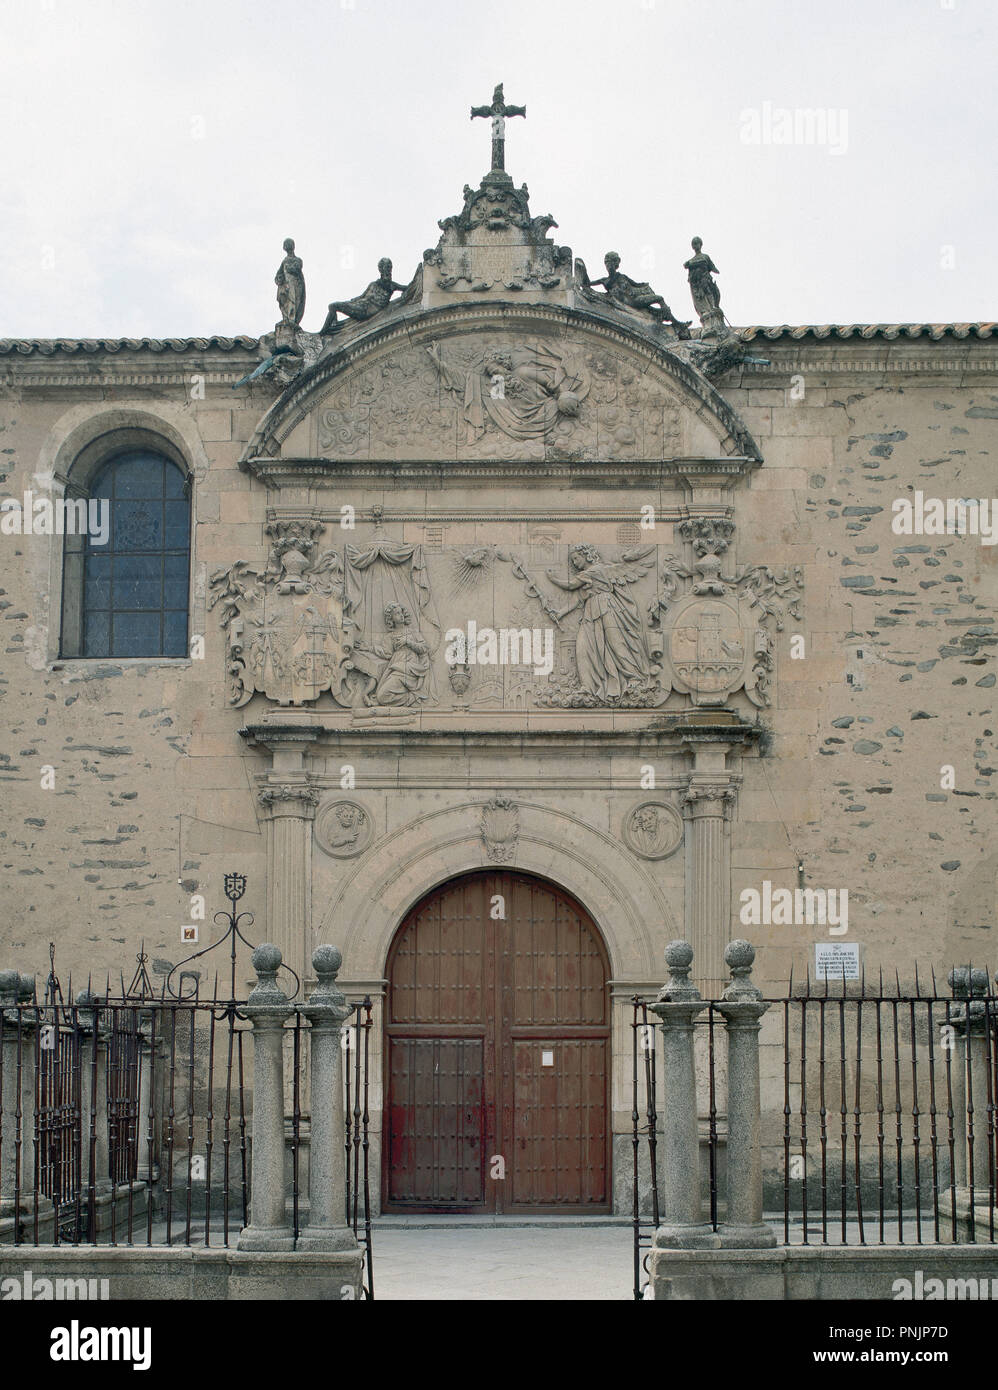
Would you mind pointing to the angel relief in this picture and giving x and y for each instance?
(613, 658)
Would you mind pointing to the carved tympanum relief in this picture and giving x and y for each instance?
(481, 396)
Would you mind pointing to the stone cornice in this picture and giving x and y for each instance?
(663, 730)
(294, 472)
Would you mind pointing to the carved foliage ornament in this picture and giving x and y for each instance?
(500, 828)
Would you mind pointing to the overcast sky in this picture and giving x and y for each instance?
(155, 153)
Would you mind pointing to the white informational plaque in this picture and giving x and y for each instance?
(836, 960)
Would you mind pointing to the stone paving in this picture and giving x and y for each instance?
(482, 1260)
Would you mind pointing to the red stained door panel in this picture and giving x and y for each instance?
(497, 1052)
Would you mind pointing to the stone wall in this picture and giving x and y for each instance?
(156, 791)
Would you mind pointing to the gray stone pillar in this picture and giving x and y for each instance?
(970, 1082)
(17, 1142)
(95, 1149)
(327, 1010)
(145, 1168)
(267, 1008)
(742, 1007)
(707, 807)
(677, 1006)
(290, 808)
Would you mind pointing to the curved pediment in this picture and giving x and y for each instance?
(527, 383)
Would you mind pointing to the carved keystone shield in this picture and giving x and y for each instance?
(707, 649)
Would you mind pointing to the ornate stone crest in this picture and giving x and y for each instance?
(500, 829)
(653, 829)
(284, 624)
(707, 649)
(720, 634)
(343, 829)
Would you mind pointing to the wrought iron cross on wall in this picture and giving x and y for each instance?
(498, 111)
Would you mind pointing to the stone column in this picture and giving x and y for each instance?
(145, 1166)
(327, 1010)
(290, 809)
(17, 1142)
(970, 1082)
(742, 1007)
(267, 1008)
(707, 807)
(95, 1148)
(677, 1006)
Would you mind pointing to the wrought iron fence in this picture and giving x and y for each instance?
(125, 1116)
(886, 1127)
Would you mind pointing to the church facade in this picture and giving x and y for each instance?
(504, 630)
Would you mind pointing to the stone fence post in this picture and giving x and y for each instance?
(95, 1147)
(267, 1008)
(969, 1080)
(17, 1117)
(742, 1007)
(327, 1010)
(677, 1006)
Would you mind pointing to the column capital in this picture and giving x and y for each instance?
(297, 799)
(715, 798)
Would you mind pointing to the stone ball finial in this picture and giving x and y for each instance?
(326, 961)
(8, 985)
(739, 956)
(958, 980)
(678, 988)
(679, 956)
(25, 985)
(267, 959)
(978, 983)
(84, 998)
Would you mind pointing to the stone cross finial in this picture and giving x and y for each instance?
(679, 988)
(738, 957)
(498, 111)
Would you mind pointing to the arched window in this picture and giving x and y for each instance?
(128, 596)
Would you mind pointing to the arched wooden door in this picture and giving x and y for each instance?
(497, 1052)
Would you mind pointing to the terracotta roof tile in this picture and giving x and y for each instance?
(885, 331)
(47, 347)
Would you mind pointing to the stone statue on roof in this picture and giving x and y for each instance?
(290, 282)
(705, 294)
(625, 293)
(366, 305)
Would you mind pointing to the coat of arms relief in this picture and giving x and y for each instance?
(387, 627)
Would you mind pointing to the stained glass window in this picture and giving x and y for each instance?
(135, 587)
